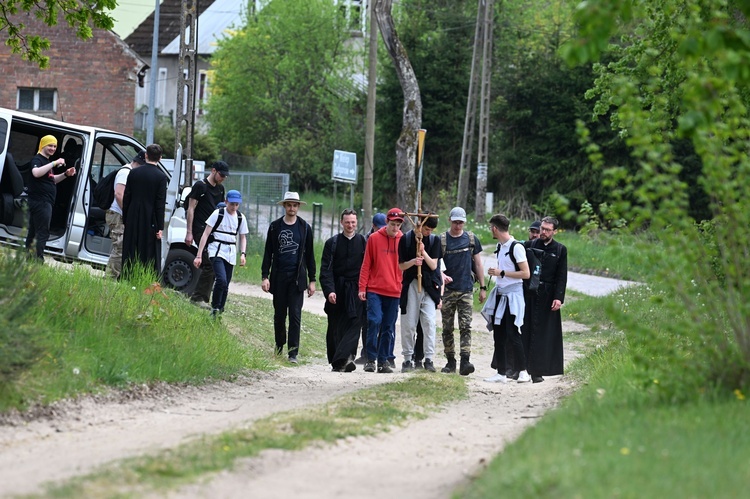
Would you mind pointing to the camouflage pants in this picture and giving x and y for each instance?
(463, 303)
(116, 232)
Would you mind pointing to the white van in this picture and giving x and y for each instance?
(78, 230)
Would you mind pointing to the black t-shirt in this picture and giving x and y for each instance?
(208, 197)
(41, 188)
(290, 244)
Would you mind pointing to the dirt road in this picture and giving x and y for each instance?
(427, 458)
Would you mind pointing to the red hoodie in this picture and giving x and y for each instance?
(380, 273)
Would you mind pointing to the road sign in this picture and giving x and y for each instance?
(344, 167)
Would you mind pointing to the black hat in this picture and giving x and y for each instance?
(535, 225)
(221, 167)
(139, 158)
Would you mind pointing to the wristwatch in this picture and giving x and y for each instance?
(483, 288)
(502, 274)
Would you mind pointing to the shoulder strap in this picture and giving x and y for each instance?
(218, 220)
(512, 256)
(443, 242)
(239, 222)
(472, 240)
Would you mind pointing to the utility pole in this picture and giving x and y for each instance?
(152, 80)
(185, 112)
(372, 74)
(484, 114)
(471, 109)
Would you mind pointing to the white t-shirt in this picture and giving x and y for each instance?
(225, 245)
(120, 178)
(505, 263)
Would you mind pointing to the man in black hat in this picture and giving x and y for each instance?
(202, 201)
(534, 229)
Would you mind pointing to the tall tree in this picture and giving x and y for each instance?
(81, 16)
(282, 90)
(406, 145)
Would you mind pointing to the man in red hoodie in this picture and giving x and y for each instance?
(380, 285)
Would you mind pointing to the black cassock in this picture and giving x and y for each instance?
(542, 329)
(143, 215)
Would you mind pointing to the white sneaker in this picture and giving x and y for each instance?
(524, 377)
(497, 378)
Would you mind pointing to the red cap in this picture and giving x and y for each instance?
(395, 214)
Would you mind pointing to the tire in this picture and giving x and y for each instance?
(179, 272)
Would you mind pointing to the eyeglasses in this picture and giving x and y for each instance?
(546, 229)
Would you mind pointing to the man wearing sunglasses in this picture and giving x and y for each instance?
(201, 202)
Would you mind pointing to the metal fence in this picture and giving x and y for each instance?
(260, 193)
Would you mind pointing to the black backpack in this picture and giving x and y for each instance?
(533, 257)
(103, 194)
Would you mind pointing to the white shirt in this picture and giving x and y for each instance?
(505, 263)
(225, 245)
(120, 178)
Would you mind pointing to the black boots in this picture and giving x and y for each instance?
(466, 366)
(450, 367)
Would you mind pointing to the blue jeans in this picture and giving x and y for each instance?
(223, 271)
(382, 312)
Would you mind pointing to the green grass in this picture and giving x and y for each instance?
(91, 333)
(364, 412)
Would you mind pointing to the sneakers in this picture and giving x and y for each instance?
(293, 359)
(385, 368)
(406, 366)
(523, 377)
(497, 378)
(392, 363)
(429, 366)
(536, 379)
(369, 367)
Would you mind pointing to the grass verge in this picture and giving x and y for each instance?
(365, 412)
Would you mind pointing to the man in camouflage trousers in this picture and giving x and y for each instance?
(460, 250)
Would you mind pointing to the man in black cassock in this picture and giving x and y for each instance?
(143, 213)
(339, 278)
(542, 332)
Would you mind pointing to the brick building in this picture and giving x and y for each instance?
(89, 82)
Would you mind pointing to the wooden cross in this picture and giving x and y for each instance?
(421, 217)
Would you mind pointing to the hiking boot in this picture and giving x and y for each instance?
(450, 367)
(429, 366)
(369, 367)
(523, 377)
(466, 367)
(406, 366)
(385, 368)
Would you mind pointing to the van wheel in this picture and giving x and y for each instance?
(179, 272)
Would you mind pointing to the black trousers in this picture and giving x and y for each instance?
(345, 332)
(287, 300)
(507, 330)
(206, 278)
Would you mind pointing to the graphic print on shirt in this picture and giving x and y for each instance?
(286, 242)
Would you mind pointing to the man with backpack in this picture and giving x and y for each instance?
(219, 241)
(419, 299)
(113, 216)
(339, 277)
(504, 309)
(461, 256)
(205, 195)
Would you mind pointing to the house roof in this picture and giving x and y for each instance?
(141, 39)
(212, 25)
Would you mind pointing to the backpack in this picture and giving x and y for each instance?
(103, 194)
(218, 223)
(533, 257)
(472, 243)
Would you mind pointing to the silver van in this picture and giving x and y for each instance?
(77, 229)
